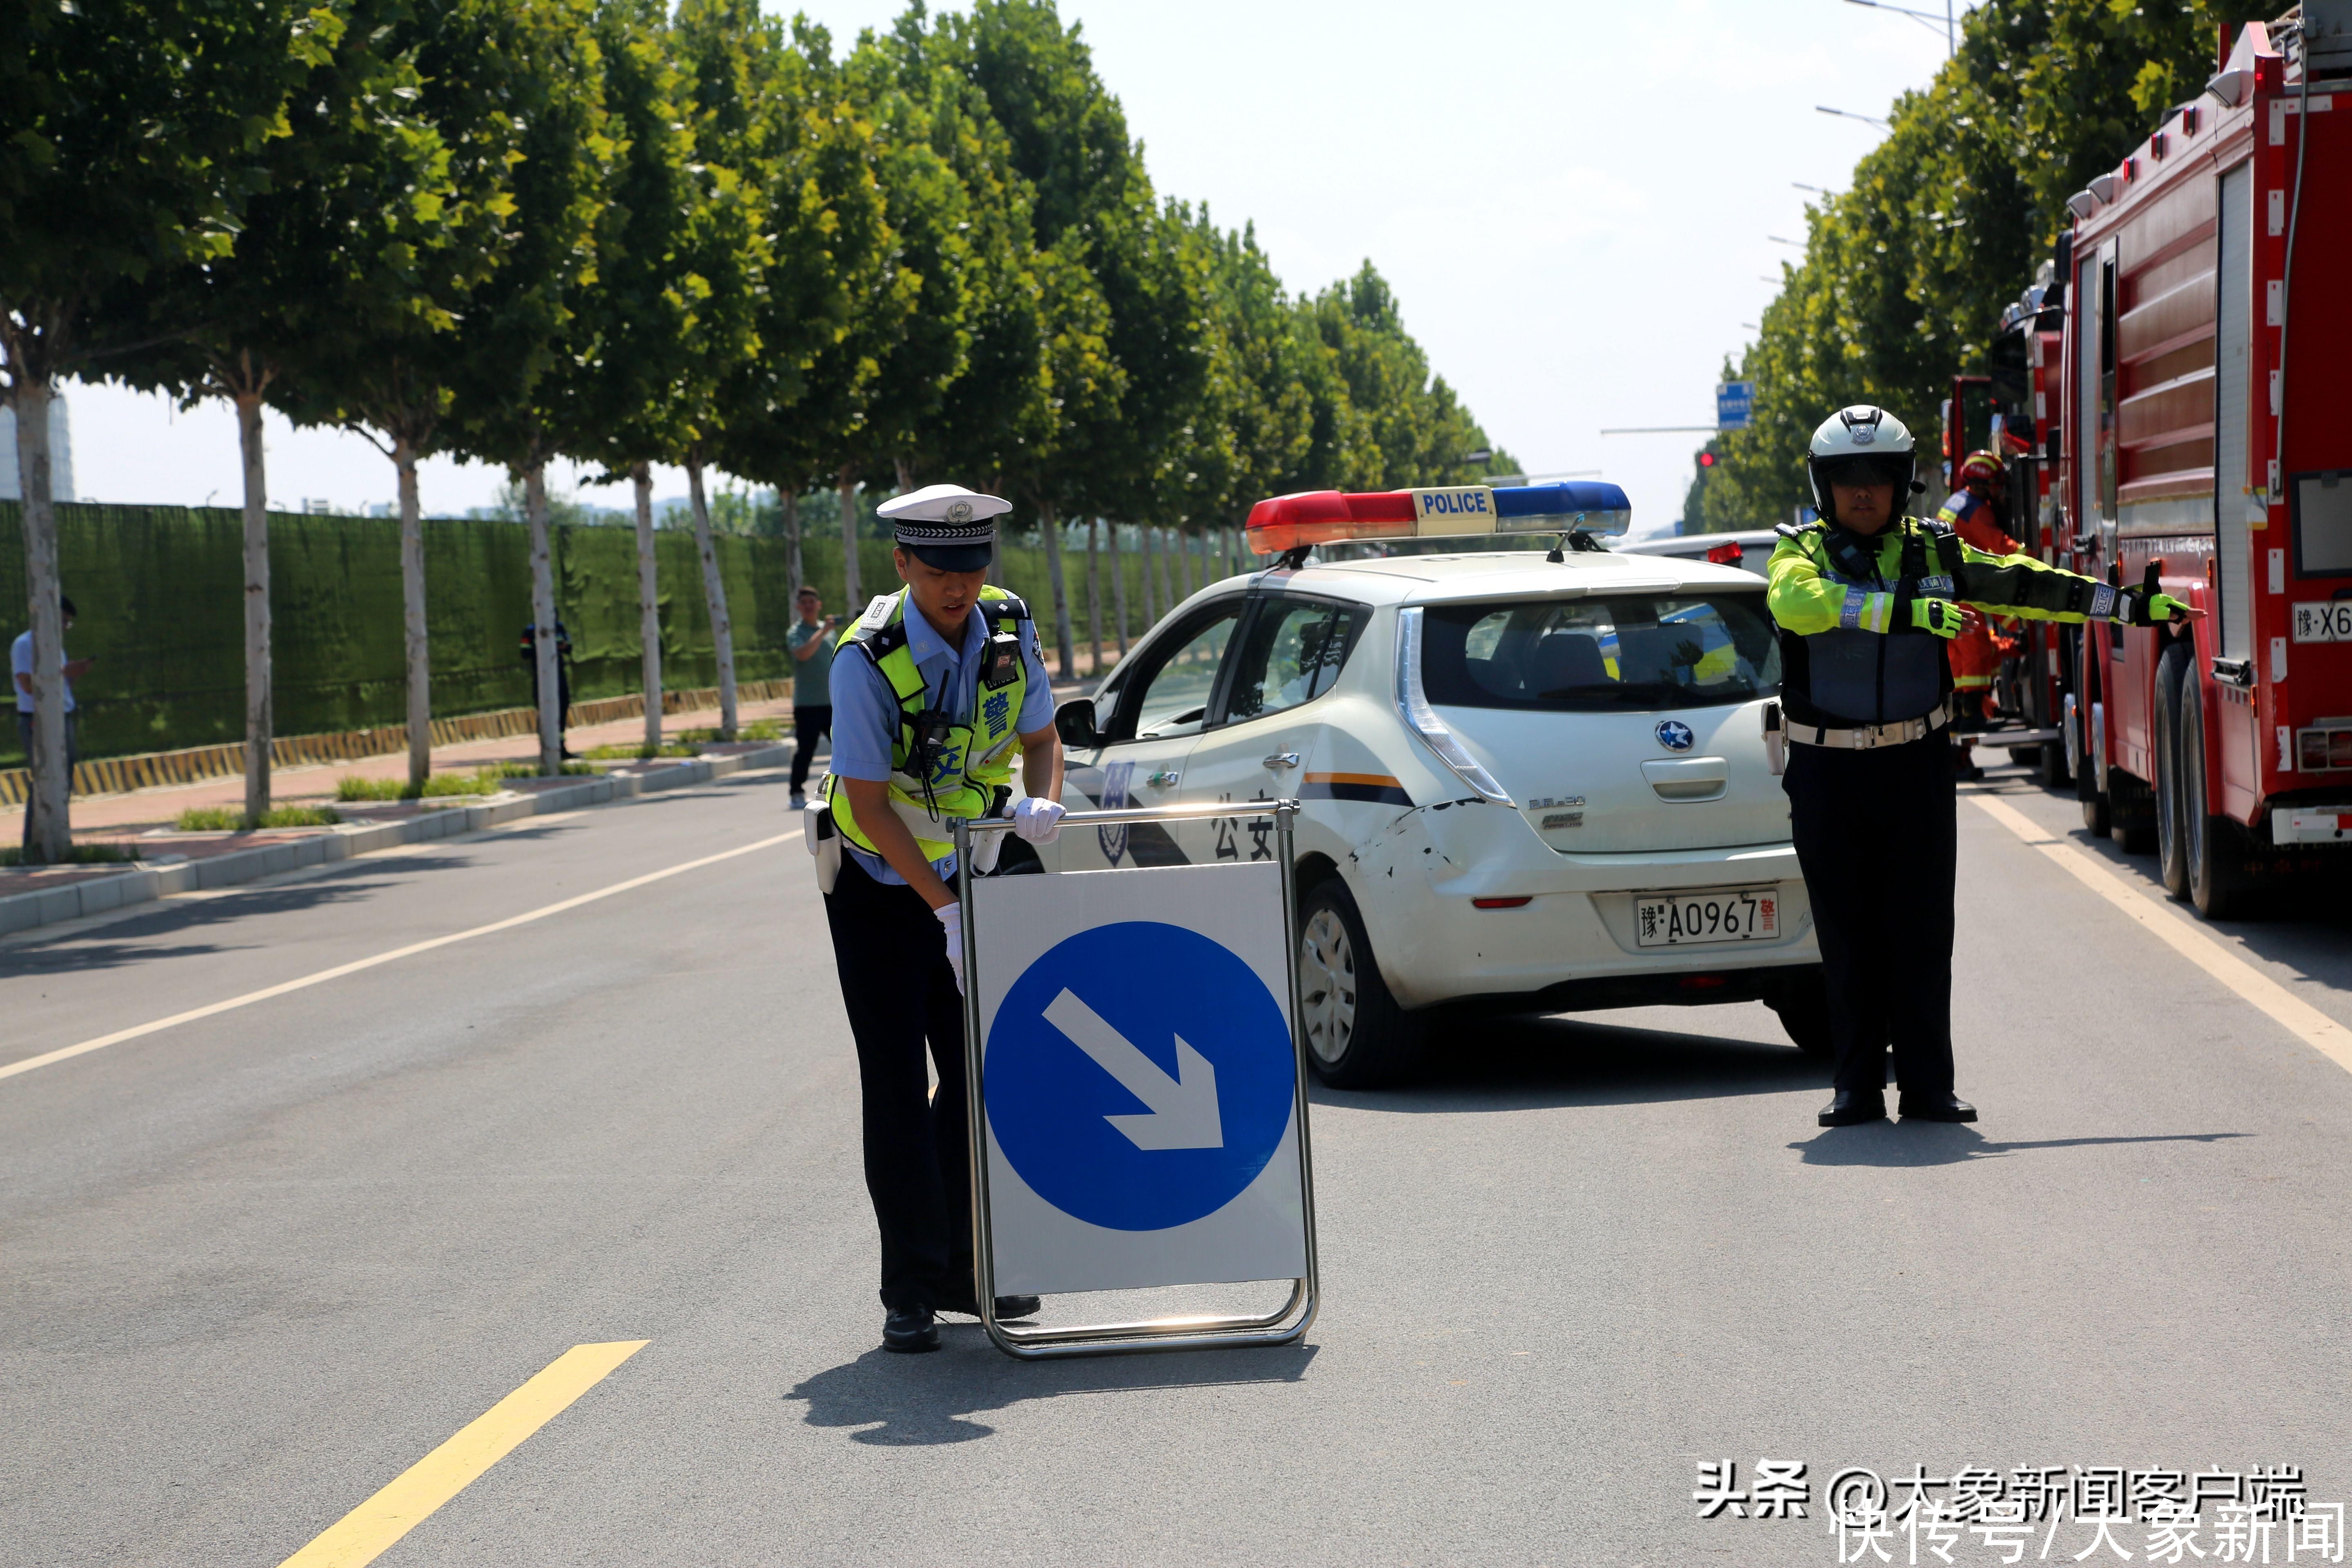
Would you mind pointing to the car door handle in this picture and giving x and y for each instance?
(1162, 779)
(1283, 760)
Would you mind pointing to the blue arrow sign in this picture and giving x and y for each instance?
(1139, 1076)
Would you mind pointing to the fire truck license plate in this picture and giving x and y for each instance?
(2326, 621)
(1685, 919)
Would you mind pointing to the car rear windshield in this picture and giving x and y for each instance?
(1641, 651)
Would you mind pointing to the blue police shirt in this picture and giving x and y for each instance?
(866, 711)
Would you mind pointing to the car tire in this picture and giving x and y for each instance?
(1357, 1036)
(1802, 1002)
(2171, 827)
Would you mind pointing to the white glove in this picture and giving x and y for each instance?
(951, 921)
(1038, 821)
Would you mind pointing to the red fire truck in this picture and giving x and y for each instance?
(2174, 396)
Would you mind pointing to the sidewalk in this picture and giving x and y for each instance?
(145, 818)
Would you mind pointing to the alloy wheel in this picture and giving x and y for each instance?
(1326, 985)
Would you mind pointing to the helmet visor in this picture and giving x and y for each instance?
(1867, 468)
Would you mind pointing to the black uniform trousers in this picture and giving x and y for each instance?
(901, 996)
(1878, 842)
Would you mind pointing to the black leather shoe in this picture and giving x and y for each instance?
(1008, 1308)
(1944, 1107)
(910, 1329)
(1850, 1107)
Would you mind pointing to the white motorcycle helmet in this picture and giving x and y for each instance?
(1864, 445)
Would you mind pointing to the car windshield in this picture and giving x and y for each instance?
(1640, 651)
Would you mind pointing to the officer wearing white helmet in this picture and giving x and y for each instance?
(935, 688)
(1866, 599)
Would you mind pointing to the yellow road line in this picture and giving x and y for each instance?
(362, 1535)
(65, 1052)
(2157, 916)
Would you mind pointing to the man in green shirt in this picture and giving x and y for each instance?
(812, 641)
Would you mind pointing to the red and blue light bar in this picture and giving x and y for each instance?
(1328, 517)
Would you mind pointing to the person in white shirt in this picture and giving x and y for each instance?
(20, 663)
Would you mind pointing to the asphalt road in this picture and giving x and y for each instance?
(255, 1265)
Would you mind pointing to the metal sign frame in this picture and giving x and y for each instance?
(1291, 1320)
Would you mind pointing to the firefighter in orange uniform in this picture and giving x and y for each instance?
(1975, 513)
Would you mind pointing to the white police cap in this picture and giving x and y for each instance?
(948, 526)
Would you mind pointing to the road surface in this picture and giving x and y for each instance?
(256, 1264)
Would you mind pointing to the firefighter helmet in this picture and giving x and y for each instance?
(1980, 468)
(1863, 445)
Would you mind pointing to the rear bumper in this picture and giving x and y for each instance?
(2311, 825)
(1575, 932)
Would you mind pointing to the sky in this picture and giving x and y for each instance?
(1574, 203)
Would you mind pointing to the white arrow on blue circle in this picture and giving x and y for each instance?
(1183, 1109)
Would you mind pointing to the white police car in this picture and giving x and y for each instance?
(1532, 781)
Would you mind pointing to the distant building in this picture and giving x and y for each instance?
(61, 480)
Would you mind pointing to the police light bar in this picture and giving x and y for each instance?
(1328, 517)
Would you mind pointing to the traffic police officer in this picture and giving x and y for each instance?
(934, 690)
(1867, 600)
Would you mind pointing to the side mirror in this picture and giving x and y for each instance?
(1074, 721)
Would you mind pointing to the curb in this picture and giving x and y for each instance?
(139, 884)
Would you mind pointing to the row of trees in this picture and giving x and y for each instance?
(609, 231)
(1905, 272)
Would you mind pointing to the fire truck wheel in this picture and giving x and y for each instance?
(2051, 766)
(2172, 803)
(2216, 845)
(1357, 1036)
(1802, 1002)
(2131, 813)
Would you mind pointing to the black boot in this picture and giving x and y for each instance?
(1945, 1106)
(1851, 1106)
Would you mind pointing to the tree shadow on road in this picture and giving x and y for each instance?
(1522, 1064)
(915, 1401)
(1890, 1143)
(126, 936)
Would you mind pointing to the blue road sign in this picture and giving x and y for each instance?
(1735, 404)
(1139, 1076)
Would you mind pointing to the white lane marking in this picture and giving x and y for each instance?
(2157, 916)
(337, 972)
(1183, 1113)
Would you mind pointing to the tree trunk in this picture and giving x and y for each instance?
(542, 620)
(1050, 526)
(49, 828)
(412, 601)
(1094, 594)
(257, 605)
(853, 595)
(648, 602)
(1118, 589)
(1143, 554)
(905, 474)
(795, 569)
(1160, 571)
(722, 631)
(1191, 558)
